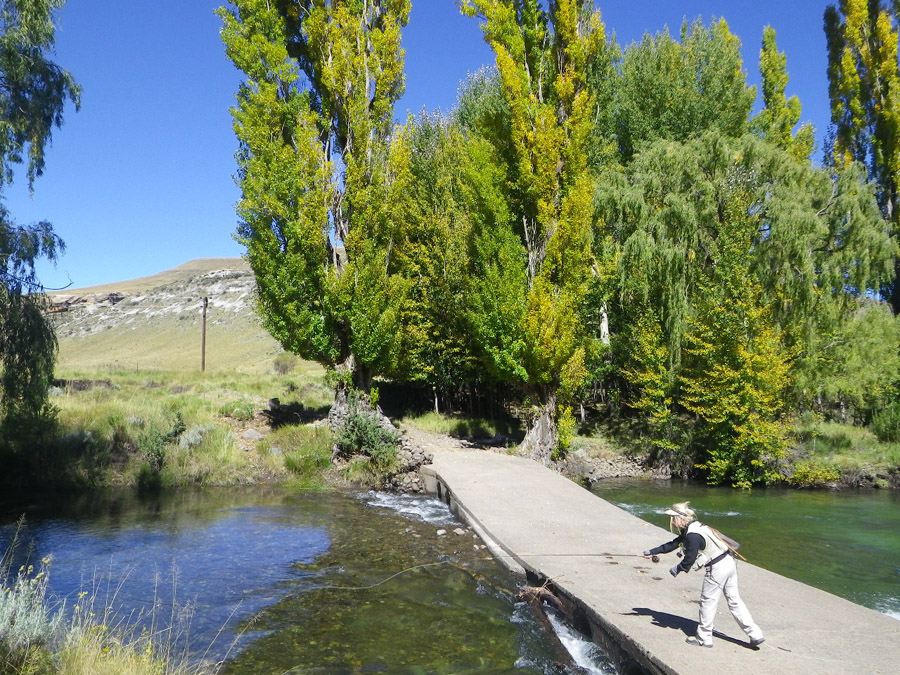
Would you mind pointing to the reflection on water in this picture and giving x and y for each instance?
(300, 582)
(845, 542)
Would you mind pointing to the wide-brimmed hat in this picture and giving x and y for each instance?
(681, 510)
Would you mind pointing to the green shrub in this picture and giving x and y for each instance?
(363, 435)
(886, 423)
(308, 463)
(566, 427)
(813, 474)
(307, 450)
(153, 444)
(285, 363)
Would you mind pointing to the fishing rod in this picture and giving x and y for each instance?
(492, 557)
(654, 558)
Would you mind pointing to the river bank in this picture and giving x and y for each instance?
(153, 429)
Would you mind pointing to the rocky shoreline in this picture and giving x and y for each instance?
(584, 469)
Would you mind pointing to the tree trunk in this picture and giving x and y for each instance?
(542, 436)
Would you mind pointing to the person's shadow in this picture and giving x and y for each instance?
(686, 626)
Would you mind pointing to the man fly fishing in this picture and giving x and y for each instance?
(705, 547)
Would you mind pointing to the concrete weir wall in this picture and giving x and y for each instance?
(548, 529)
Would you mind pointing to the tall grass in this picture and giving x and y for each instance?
(306, 452)
(163, 429)
(38, 636)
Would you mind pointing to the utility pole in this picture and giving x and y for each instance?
(203, 340)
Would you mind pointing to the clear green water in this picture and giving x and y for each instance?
(297, 582)
(844, 542)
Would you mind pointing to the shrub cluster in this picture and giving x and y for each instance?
(886, 423)
(363, 434)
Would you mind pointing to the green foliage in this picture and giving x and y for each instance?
(154, 444)
(542, 60)
(813, 474)
(313, 120)
(886, 423)
(442, 172)
(852, 365)
(779, 116)
(363, 434)
(307, 451)
(27, 356)
(241, 409)
(648, 372)
(851, 449)
(567, 428)
(35, 90)
(33, 95)
(863, 82)
(741, 224)
(735, 371)
(680, 90)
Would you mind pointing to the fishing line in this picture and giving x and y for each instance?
(383, 581)
(493, 557)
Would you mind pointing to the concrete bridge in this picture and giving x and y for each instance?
(548, 528)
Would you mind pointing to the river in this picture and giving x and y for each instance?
(846, 542)
(281, 581)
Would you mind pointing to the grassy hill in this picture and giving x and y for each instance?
(155, 322)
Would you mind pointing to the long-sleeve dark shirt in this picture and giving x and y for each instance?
(692, 542)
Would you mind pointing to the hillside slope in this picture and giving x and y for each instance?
(155, 322)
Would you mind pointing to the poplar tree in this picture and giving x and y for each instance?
(313, 120)
(779, 116)
(864, 88)
(33, 94)
(542, 59)
(451, 185)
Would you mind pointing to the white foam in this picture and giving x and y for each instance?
(584, 653)
(427, 509)
(890, 607)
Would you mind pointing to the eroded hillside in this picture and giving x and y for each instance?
(156, 322)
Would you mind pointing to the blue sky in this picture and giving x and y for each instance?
(141, 179)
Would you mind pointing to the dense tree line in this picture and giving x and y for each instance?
(590, 226)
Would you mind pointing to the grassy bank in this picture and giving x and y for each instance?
(827, 453)
(153, 428)
(167, 429)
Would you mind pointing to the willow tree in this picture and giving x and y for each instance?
(542, 59)
(33, 95)
(864, 88)
(313, 120)
(742, 250)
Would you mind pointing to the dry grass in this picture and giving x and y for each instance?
(174, 344)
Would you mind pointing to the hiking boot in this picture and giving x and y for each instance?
(756, 642)
(697, 642)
